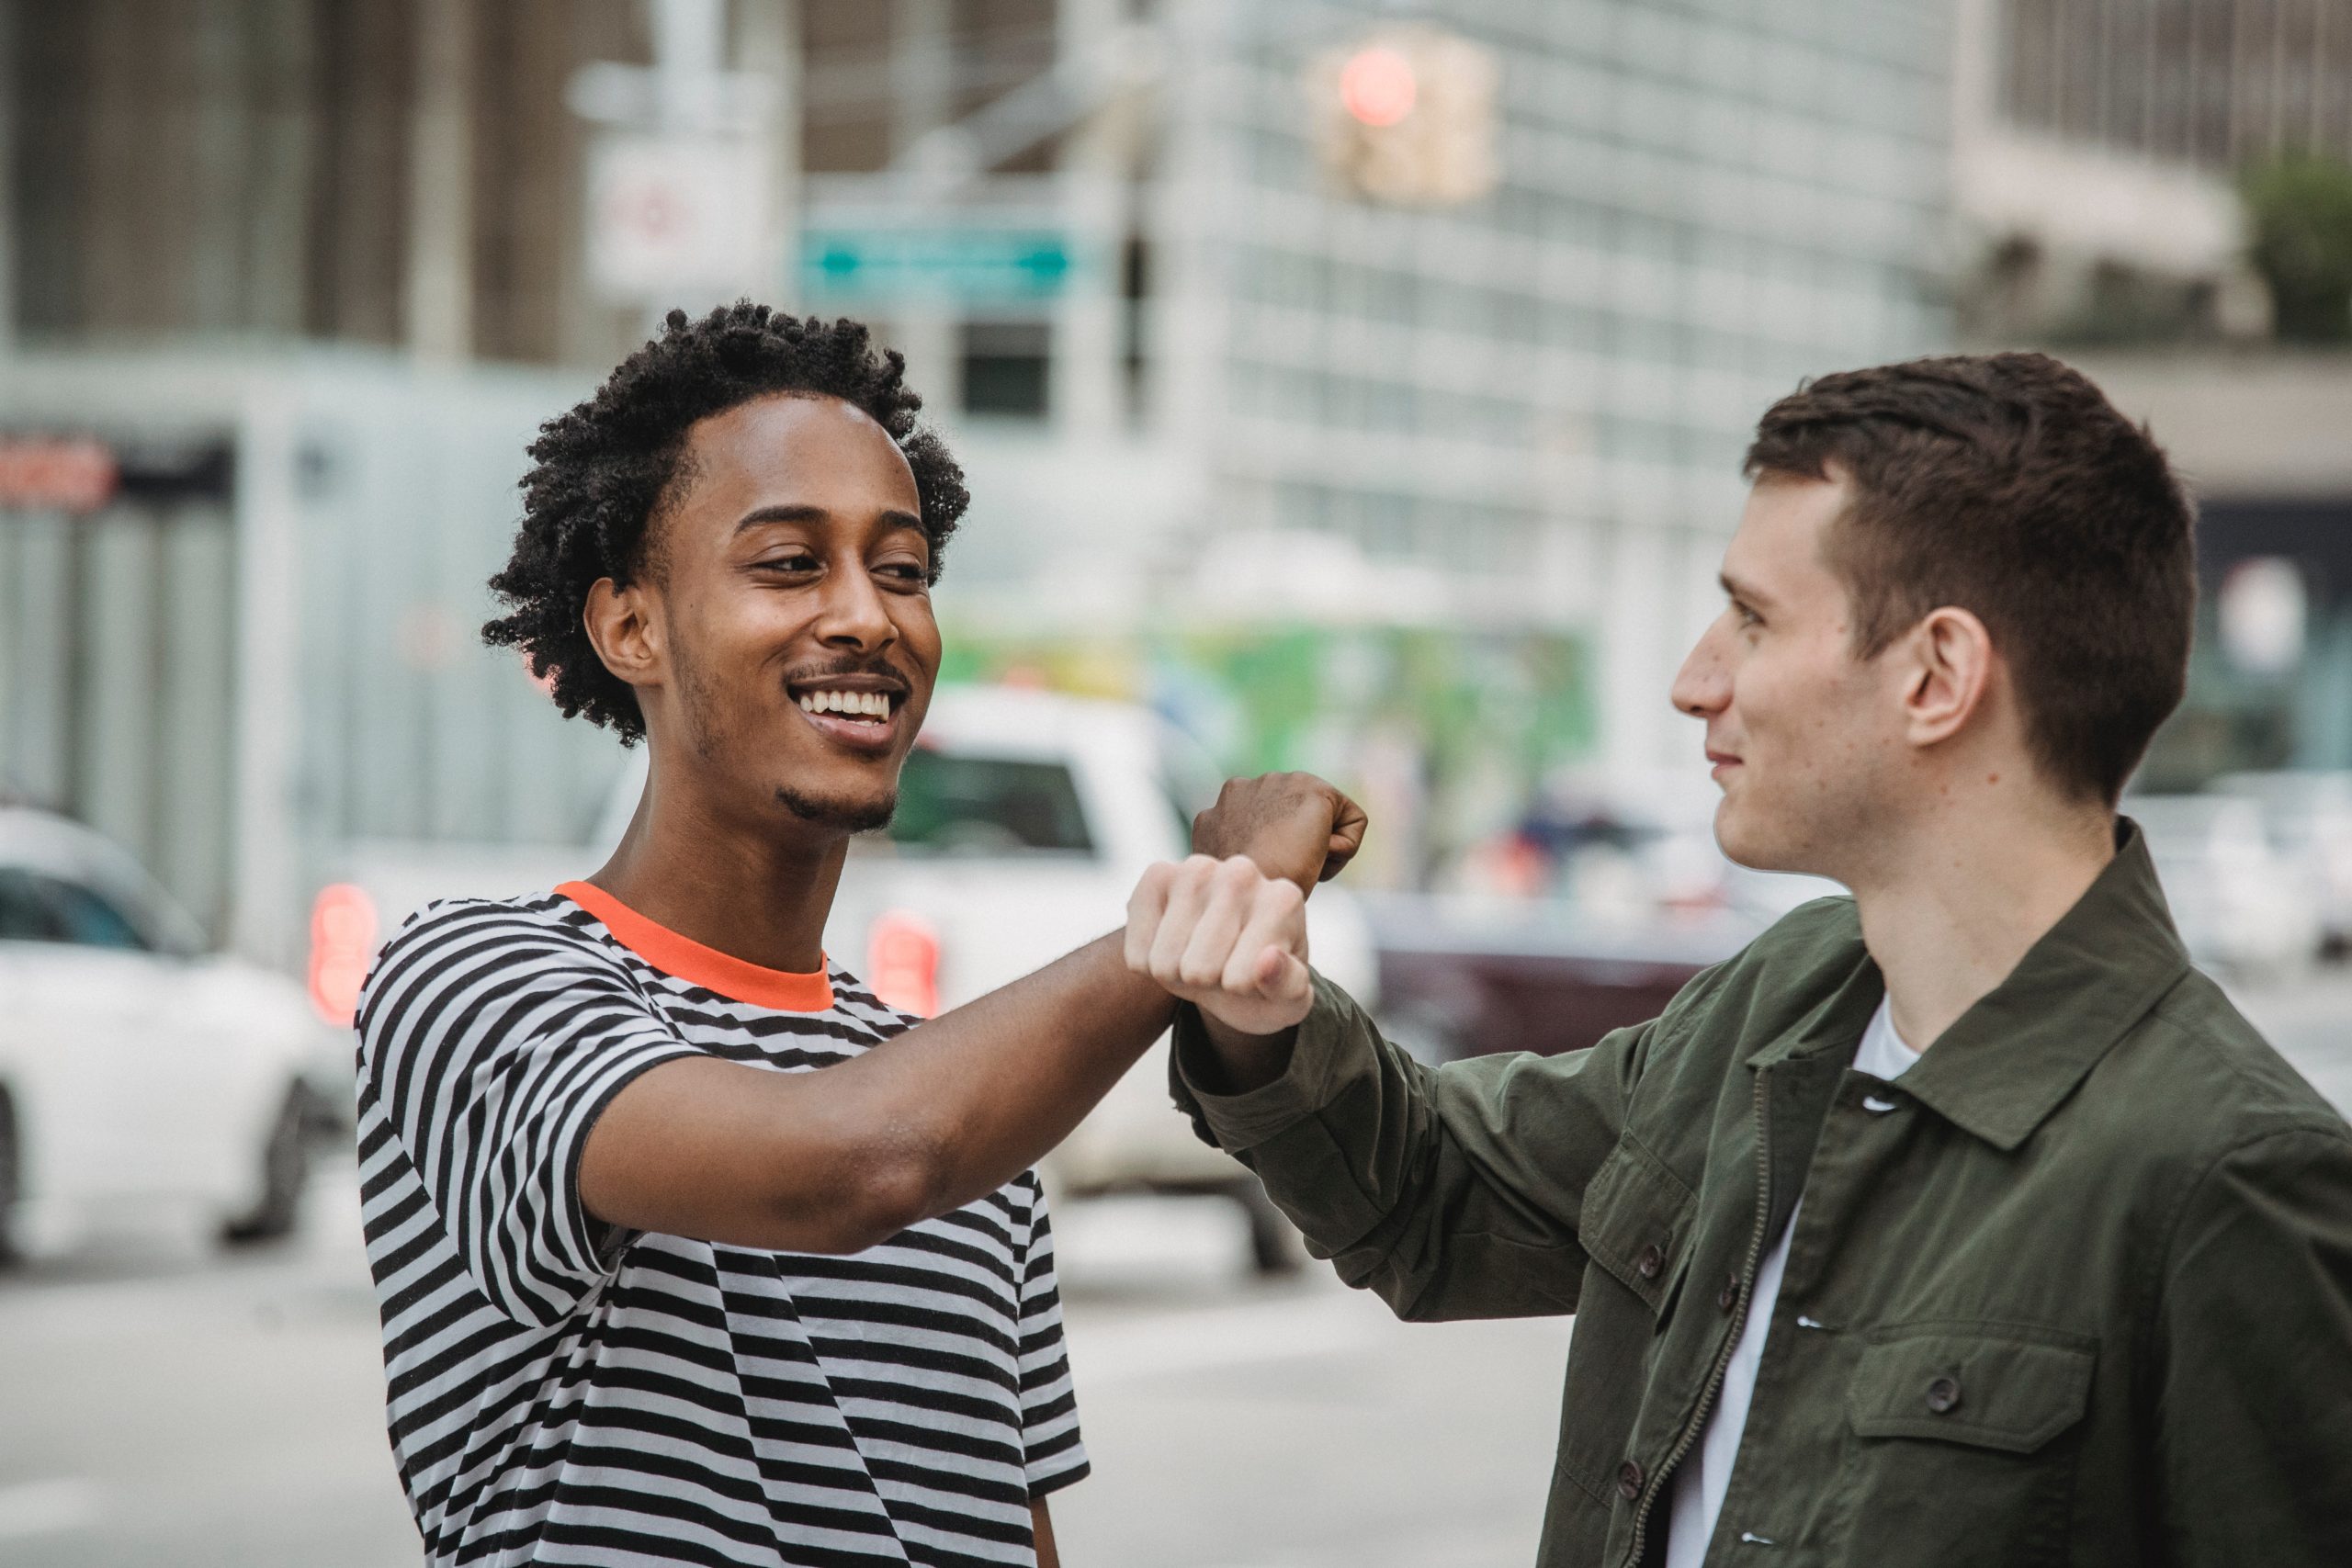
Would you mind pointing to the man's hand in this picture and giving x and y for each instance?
(1226, 937)
(1295, 825)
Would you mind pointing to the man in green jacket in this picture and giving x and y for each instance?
(1961, 1222)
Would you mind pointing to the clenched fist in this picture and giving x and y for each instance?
(1294, 825)
(1226, 937)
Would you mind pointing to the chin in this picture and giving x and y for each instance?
(1742, 844)
(843, 812)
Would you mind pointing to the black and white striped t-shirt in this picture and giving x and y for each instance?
(561, 1392)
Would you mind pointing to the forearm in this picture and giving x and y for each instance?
(985, 1089)
(1445, 1193)
(841, 1158)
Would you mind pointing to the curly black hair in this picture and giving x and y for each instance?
(601, 471)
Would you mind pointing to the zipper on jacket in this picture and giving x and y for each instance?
(1683, 1445)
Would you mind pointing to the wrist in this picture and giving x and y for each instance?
(1239, 1062)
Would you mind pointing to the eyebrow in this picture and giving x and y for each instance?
(800, 512)
(1744, 593)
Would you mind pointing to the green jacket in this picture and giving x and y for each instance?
(2083, 1296)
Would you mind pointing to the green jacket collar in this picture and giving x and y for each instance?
(2010, 1059)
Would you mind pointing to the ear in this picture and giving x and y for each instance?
(1948, 671)
(623, 625)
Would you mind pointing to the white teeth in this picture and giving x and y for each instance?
(873, 705)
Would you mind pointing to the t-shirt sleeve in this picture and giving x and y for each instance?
(492, 1040)
(1052, 1451)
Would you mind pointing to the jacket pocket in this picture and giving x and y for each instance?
(2009, 1389)
(1963, 1445)
(1636, 1223)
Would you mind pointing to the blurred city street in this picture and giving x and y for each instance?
(172, 1406)
(1373, 388)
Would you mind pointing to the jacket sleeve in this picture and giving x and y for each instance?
(2254, 1359)
(1451, 1193)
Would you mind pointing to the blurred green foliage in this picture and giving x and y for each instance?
(1445, 733)
(2300, 211)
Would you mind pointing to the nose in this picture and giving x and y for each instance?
(853, 616)
(1703, 686)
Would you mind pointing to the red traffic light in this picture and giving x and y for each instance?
(1378, 85)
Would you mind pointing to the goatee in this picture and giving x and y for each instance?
(847, 815)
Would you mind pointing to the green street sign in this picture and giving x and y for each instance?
(959, 266)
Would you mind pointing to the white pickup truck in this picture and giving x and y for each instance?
(1024, 820)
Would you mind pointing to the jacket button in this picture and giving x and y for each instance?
(1649, 1262)
(1629, 1481)
(1728, 1297)
(1944, 1395)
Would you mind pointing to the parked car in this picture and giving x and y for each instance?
(1466, 976)
(2308, 814)
(1024, 820)
(139, 1073)
(2242, 906)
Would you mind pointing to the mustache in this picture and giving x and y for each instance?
(876, 667)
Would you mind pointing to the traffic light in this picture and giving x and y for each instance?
(1408, 115)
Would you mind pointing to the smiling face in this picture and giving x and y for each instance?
(781, 641)
(1808, 741)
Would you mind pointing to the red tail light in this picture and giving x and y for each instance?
(343, 944)
(902, 962)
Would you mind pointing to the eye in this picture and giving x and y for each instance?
(1746, 616)
(904, 569)
(790, 562)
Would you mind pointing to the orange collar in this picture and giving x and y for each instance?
(706, 966)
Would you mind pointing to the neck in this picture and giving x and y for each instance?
(734, 885)
(1961, 899)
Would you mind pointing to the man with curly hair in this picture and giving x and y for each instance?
(653, 1288)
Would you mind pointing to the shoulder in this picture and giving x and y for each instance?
(532, 925)
(2209, 1081)
(1825, 931)
(1780, 974)
(2198, 1118)
(542, 937)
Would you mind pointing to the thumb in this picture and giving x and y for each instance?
(1281, 975)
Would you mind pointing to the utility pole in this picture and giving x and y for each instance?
(682, 172)
(767, 44)
(7, 177)
(441, 186)
(1086, 388)
(923, 66)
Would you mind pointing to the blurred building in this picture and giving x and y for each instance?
(1224, 332)
(2099, 152)
(2104, 156)
(2264, 441)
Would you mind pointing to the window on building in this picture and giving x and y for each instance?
(1005, 368)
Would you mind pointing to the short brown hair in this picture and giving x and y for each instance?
(2008, 485)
